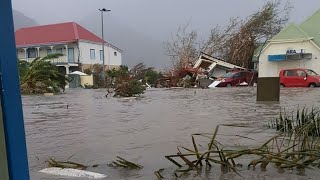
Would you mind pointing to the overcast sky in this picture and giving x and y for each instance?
(156, 18)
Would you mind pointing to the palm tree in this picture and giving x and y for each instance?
(40, 76)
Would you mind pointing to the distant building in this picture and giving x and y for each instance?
(80, 47)
(296, 46)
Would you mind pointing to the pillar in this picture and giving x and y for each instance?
(67, 72)
(67, 54)
(12, 116)
(67, 69)
(38, 48)
(268, 89)
(26, 54)
(51, 47)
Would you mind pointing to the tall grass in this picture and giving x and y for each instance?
(296, 146)
(307, 120)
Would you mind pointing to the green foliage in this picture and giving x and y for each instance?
(88, 71)
(129, 87)
(122, 71)
(23, 68)
(98, 79)
(40, 76)
(151, 77)
(127, 82)
(307, 118)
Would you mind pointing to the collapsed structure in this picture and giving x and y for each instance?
(204, 72)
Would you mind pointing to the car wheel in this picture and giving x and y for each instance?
(282, 85)
(312, 85)
(229, 85)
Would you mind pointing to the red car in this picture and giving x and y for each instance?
(299, 77)
(237, 78)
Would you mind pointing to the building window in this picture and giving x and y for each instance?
(32, 53)
(49, 51)
(115, 53)
(92, 54)
(101, 55)
(59, 51)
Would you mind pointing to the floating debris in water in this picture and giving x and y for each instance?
(158, 174)
(120, 162)
(65, 164)
(72, 173)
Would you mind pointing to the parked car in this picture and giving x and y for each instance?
(238, 78)
(299, 77)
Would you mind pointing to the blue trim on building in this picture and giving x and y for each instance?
(278, 57)
(11, 98)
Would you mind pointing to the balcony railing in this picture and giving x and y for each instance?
(62, 60)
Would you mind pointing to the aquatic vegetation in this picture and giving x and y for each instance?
(120, 162)
(291, 149)
(65, 164)
(158, 174)
(307, 118)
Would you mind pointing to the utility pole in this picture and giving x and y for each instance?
(103, 43)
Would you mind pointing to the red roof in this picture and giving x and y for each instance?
(54, 34)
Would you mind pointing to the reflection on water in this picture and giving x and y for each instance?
(95, 130)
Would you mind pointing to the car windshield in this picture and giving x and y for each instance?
(311, 72)
(228, 75)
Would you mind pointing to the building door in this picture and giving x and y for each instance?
(71, 55)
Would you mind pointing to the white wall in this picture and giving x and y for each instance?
(85, 54)
(272, 69)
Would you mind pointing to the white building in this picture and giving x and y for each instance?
(296, 46)
(80, 48)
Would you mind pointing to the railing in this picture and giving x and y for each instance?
(57, 61)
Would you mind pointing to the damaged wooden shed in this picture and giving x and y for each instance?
(214, 68)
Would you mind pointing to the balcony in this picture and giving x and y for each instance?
(61, 61)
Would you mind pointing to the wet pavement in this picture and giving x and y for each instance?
(94, 129)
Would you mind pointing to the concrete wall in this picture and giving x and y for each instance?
(85, 54)
(272, 69)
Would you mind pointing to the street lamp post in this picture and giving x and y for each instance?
(103, 42)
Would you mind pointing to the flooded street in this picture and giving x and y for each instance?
(94, 130)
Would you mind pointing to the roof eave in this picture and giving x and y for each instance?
(44, 44)
(290, 40)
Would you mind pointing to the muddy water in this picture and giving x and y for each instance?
(94, 130)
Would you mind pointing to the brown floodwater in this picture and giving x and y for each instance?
(94, 129)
